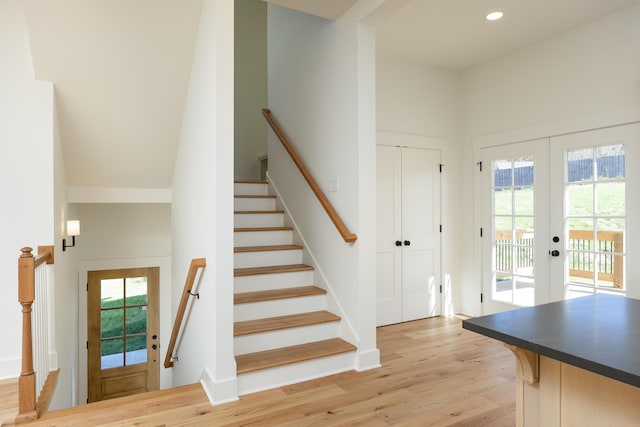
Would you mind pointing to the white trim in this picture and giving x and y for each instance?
(383, 137)
(619, 117)
(367, 360)
(219, 392)
(118, 195)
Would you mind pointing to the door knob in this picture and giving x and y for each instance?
(398, 243)
(554, 252)
(154, 346)
(407, 243)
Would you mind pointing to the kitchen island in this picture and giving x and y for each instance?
(577, 361)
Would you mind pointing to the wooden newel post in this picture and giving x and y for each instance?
(26, 295)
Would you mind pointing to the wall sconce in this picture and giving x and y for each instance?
(73, 230)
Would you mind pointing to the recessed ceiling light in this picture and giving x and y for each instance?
(494, 16)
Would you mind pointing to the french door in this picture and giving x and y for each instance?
(596, 178)
(556, 213)
(515, 194)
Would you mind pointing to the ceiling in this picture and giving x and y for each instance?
(121, 68)
(454, 34)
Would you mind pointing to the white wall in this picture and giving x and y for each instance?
(114, 236)
(202, 208)
(587, 77)
(414, 99)
(65, 288)
(322, 91)
(26, 170)
(250, 87)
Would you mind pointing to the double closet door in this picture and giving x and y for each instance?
(408, 234)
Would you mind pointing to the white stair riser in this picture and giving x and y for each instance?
(258, 220)
(280, 307)
(267, 258)
(262, 238)
(254, 204)
(284, 375)
(263, 282)
(283, 338)
(246, 189)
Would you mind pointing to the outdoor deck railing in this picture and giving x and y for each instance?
(582, 248)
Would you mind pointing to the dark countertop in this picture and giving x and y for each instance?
(599, 333)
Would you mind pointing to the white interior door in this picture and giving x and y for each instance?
(515, 258)
(388, 255)
(596, 210)
(420, 233)
(408, 234)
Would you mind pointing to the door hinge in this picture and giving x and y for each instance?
(480, 231)
(441, 166)
(440, 288)
(481, 297)
(441, 228)
(87, 286)
(479, 165)
(87, 345)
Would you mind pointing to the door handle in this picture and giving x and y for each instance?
(398, 243)
(554, 252)
(154, 346)
(407, 243)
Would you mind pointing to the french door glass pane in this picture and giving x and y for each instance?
(513, 233)
(595, 220)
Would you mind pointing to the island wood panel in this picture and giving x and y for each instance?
(565, 395)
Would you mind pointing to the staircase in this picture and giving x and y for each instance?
(282, 333)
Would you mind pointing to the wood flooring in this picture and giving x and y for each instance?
(433, 373)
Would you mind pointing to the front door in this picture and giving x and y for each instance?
(123, 342)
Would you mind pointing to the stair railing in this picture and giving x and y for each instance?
(36, 383)
(348, 236)
(196, 264)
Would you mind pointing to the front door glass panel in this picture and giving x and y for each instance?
(123, 322)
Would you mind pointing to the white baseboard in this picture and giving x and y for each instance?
(219, 392)
(368, 360)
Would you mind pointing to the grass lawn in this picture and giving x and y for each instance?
(610, 203)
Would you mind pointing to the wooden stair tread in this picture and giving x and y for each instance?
(245, 229)
(268, 248)
(286, 355)
(256, 212)
(272, 269)
(249, 181)
(254, 196)
(275, 294)
(249, 327)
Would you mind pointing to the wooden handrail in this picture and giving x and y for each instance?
(28, 407)
(348, 236)
(196, 264)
